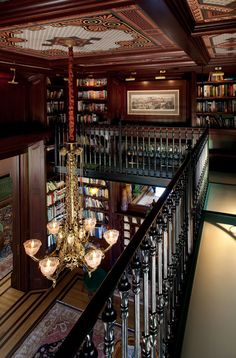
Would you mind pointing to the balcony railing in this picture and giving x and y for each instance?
(132, 150)
(149, 276)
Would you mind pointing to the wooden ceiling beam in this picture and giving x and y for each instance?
(28, 11)
(176, 21)
(214, 28)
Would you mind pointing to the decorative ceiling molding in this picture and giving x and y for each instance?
(221, 45)
(120, 33)
(93, 34)
(212, 10)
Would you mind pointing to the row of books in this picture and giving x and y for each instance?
(216, 122)
(217, 106)
(88, 118)
(54, 185)
(56, 118)
(51, 241)
(95, 203)
(93, 181)
(101, 217)
(55, 94)
(91, 107)
(98, 231)
(55, 106)
(91, 82)
(56, 211)
(92, 94)
(218, 90)
(56, 195)
(101, 192)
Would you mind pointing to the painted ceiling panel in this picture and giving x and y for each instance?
(95, 34)
(221, 44)
(212, 10)
(206, 11)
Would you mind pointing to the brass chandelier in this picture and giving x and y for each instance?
(73, 245)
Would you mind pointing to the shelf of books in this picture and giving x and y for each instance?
(130, 225)
(96, 204)
(56, 191)
(92, 100)
(216, 104)
(56, 99)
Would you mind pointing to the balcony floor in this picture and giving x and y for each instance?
(211, 320)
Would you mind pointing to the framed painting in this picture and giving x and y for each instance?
(153, 102)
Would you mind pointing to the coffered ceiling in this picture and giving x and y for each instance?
(120, 36)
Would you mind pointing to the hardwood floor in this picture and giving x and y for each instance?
(20, 311)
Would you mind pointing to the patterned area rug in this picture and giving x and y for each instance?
(6, 258)
(6, 264)
(45, 339)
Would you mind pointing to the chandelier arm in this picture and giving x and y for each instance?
(108, 248)
(35, 258)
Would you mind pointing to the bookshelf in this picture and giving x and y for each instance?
(92, 100)
(56, 100)
(96, 204)
(56, 191)
(141, 200)
(216, 104)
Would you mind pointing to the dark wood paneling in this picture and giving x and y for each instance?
(37, 98)
(116, 100)
(37, 208)
(13, 101)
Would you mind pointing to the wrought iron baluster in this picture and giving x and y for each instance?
(155, 151)
(126, 151)
(149, 153)
(166, 286)
(153, 316)
(190, 206)
(136, 270)
(105, 150)
(88, 349)
(173, 151)
(160, 299)
(109, 147)
(109, 317)
(137, 147)
(167, 153)
(143, 151)
(173, 266)
(124, 287)
(145, 250)
(161, 153)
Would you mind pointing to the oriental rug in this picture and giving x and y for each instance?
(45, 339)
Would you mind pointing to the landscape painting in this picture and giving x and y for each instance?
(156, 102)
